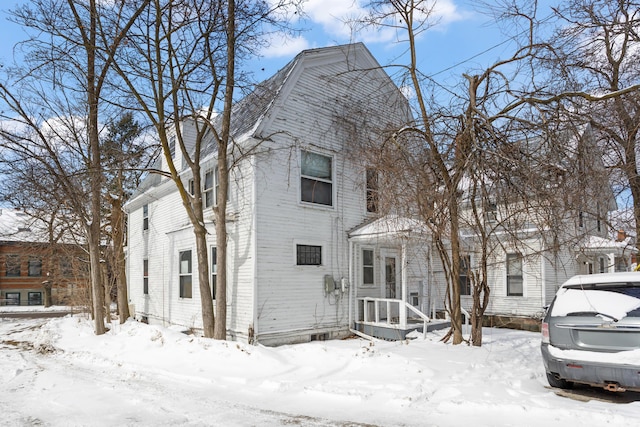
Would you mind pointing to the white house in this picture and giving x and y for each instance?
(295, 202)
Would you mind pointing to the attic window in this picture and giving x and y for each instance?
(23, 229)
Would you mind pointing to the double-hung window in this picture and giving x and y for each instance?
(12, 265)
(185, 274)
(207, 191)
(145, 276)
(145, 217)
(172, 147)
(316, 179)
(367, 267)
(35, 266)
(514, 275)
(465, 280)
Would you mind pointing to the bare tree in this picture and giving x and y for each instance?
(68, 60)
(453, 162)
(596, 52)
(181, 65)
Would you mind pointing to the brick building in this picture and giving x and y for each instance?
(34, 271)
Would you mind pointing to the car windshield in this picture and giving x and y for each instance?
(611, 302)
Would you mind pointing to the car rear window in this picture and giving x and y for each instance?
(614, 301)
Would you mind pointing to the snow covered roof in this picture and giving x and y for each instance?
(390, 225)
(17, 226)
(600, 244)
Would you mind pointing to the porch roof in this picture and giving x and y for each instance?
(390, 226)
(596, 244)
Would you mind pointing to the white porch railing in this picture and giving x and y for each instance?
(388, 312)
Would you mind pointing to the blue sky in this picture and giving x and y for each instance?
(454, 45)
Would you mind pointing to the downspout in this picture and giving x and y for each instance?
(254, 225)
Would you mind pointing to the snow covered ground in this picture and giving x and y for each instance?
(57, 372)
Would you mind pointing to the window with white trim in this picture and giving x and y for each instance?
(464, 277)
(367, 267)
(145, 276)
(185, 274)
(172, 146)
(207, 191)
(514, 275)
(145, 217)
(316, 179)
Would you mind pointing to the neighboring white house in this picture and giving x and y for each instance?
(524, 273)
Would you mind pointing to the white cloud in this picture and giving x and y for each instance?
(283, 45)
(333, 16)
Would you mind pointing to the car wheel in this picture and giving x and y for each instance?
(556, 382)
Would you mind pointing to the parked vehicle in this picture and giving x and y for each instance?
(591, 332)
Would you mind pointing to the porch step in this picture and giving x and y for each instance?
(394, 333)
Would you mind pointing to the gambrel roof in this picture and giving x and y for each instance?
(252, 117)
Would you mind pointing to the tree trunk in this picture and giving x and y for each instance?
(95, 176)
(206, 298)
(456, 312)
(119, 267)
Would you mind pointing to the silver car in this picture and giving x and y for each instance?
(591, 332)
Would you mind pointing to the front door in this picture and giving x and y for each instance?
(391, 283)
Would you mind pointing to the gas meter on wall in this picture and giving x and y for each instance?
(329, 284)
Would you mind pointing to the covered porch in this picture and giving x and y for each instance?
(391, 293)
(601, 255)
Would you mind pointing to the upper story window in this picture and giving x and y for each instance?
(66, 268)
(172, 146)
(207, 191)
(514, 275)
(372, 190)
(580, 219)
(316, 179)
(211, 187)
(35, 266)
(145, 217)
(12, 265)
(491, 212)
